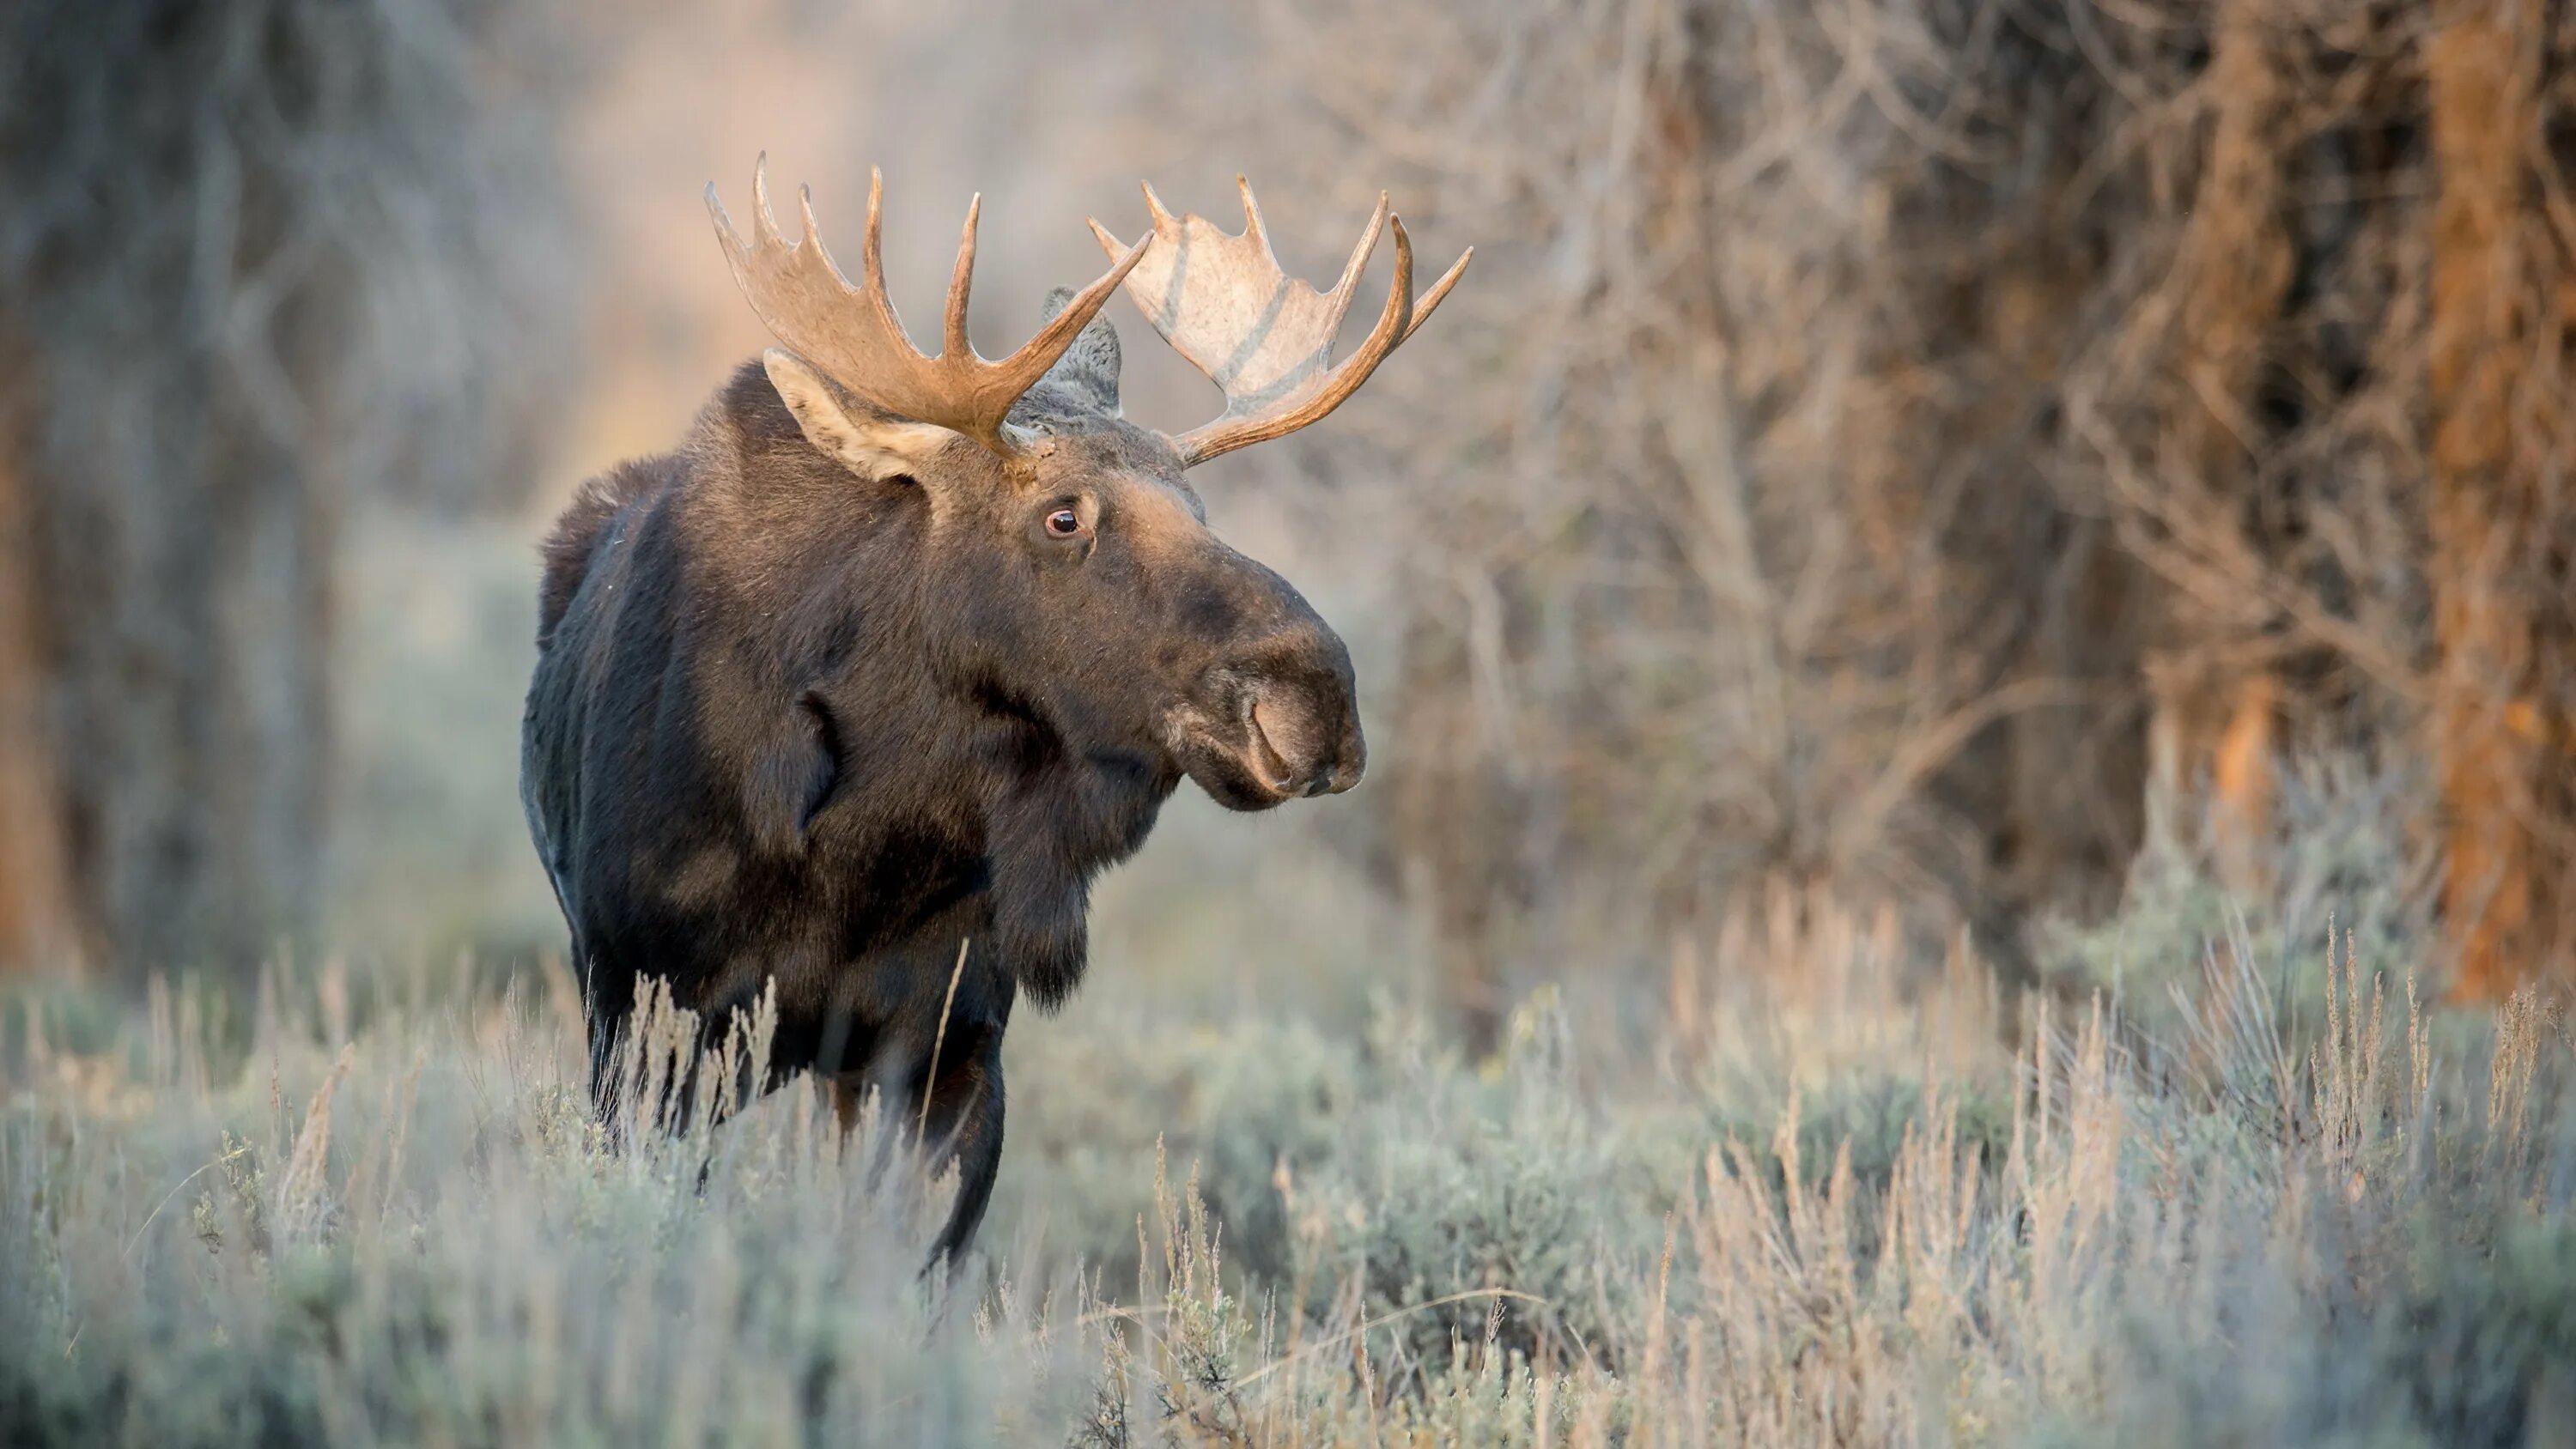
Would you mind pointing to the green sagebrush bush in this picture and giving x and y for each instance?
(1820, 1216)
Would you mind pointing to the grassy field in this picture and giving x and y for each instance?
(1843, 1190)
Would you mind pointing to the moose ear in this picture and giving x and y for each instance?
(870, 444)
(1092, 362)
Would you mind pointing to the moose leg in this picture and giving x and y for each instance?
(966, 1126)
(888, 1125)
(849, 1105)
(606, 1029)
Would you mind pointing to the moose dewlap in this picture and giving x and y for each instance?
(873, 673)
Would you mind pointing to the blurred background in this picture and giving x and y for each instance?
(1982, 462)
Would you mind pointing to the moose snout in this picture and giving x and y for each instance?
(1273, 713)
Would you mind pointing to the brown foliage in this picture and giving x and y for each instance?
(1918, 445)
(1925, 445)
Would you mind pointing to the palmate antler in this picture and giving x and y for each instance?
(1264, 337)
(853, 335)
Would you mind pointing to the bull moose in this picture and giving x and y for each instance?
(855, 691)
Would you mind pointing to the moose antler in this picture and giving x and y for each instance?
(854, 336)
(1264, 337)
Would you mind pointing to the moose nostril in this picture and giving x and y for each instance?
(1302, 741)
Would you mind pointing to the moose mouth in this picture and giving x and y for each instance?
(1240, 768)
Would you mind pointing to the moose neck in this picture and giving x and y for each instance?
(916, 784)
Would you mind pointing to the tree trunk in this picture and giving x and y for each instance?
(2215, 698)
(38, 918)
(185, 613)
(164, 632)
(2503, 611)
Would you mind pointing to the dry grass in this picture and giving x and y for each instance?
(1829, 1203)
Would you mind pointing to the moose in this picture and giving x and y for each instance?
(851, 695)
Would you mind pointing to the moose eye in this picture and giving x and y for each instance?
(1064, 523)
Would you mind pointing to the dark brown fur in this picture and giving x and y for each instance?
(792, 725)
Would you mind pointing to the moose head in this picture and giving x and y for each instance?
(1067, 559)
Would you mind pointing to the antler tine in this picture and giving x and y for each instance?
(764, 222)
(1348, 287)
(1265, 338)
(871, 254)
(1251, 211)
(1429, 302)
(961, 282)
(854, 336)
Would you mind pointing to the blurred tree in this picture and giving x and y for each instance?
(2215, 692)
(36, 916)
(1936, 448)
(2503, 515)
(255, 258)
